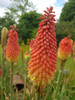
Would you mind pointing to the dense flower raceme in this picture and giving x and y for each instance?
(0, 72)
(12, 48)
(43, 53)
(4, 34)
(65, 49)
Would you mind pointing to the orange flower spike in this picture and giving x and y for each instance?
(12, 48)
(43, 53)
(65, 49)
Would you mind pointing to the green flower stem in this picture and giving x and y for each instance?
(25, 80)
(38, 96)
(2, 74)
(30, 92)
(24, 98)
(62, 62)
(60, 75)
(58, 84)
(22, 57)
(11, 82)
(48, 92)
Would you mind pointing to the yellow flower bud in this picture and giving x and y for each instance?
(4, 34)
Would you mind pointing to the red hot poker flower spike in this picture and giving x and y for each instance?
(65, 49)
(43, 53)
(12, 48)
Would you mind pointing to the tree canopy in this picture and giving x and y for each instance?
(68, 11)
(6, 21)
(64, 29)
(20, 6)
(28, 22)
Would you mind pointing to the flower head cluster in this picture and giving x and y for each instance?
(43, 53)
(4, 34)
(65, 49)
(12, 48)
